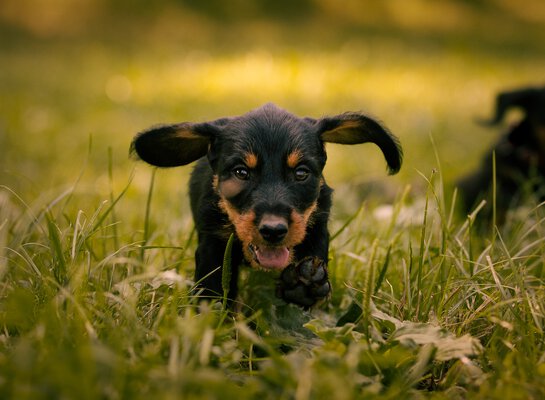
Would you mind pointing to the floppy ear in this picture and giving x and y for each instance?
(174, 145)
(522, 98)
(353, 128)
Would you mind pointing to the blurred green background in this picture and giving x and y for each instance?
(78, 78)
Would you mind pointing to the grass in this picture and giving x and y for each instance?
(96, 252)
(422, 306)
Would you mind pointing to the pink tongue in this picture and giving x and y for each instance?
(273, 257)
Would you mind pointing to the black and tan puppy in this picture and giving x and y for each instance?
(519, 154)
(259, 176)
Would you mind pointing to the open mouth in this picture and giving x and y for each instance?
(276, 258)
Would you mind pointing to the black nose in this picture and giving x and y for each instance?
(273, 230)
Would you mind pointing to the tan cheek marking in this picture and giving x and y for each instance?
(299, 224)
(215, 182)
(251, 160)
(244, 223)
(294, 158)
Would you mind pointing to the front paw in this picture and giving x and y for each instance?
(304, 283)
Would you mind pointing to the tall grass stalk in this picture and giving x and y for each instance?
(147, 215)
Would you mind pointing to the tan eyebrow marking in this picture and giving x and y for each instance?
(251, 160)
(294, 158)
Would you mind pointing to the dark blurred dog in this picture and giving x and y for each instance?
(259, 176)
(519, 155)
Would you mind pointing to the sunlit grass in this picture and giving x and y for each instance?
(426, 304)
(419, 88)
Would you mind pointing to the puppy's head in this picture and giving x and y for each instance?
(267, 169)
(531, 130)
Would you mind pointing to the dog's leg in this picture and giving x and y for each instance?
(208, 271)
(306, 282)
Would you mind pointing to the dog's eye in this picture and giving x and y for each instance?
(241, 173)
(301, 173)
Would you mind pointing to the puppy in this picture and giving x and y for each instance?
(259, 176)
(519, 155)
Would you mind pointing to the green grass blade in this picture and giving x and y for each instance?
(383, 270)
(59, 267)
(347, 223)
(147, 215)
(111, 179)
(226, 271)
(98, 223)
